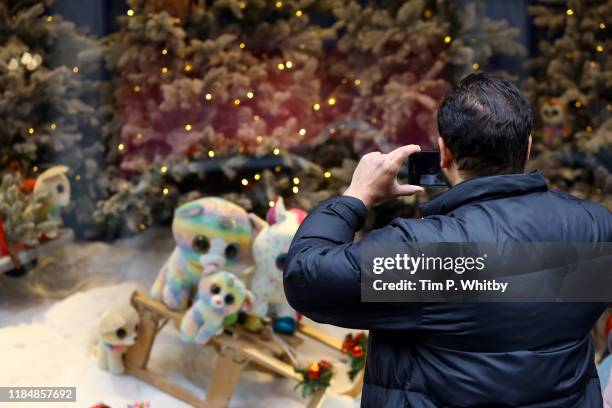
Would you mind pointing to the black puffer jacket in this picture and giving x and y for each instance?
(452, 354)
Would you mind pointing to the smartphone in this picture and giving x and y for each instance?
(424, 169)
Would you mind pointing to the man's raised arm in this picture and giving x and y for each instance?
(322, 274)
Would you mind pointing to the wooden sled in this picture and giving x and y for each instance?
(236, 348)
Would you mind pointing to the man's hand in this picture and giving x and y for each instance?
(375, 178)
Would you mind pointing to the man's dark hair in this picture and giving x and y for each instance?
(485, 122)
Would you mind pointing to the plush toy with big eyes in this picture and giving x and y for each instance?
(56, 187)
(117, 330)
(219, 295)
(270, 249)
(209, 234)
(553, 113)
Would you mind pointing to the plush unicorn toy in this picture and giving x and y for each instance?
(210, 233)
(219, 295)
(270, 249)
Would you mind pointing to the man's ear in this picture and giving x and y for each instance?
(446, 157)
(528, 150)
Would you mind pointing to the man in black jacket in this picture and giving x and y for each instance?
(457, 354)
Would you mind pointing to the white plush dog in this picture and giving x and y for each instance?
(117, 331)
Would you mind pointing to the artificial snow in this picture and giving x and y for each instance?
(48, 322)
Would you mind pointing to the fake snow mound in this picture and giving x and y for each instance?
(48, 339)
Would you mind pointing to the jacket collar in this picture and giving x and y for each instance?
(484, 188)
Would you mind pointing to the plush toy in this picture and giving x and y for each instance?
(54, 183)
(219, 295)
(117, 330)
(553, 113)
(209, 233)
(270, 249)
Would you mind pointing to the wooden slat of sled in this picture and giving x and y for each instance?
(253, 353)
(159, 381)
(225, 377)
(319, 336)
(140, 299)
(268, 344)
(138, 356)
(355, 389)
(317, 399)
(234, 353)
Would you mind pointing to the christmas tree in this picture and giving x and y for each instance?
(25, 220)
(48, 111)
(403, 57)
(571, 93)
(254, 99)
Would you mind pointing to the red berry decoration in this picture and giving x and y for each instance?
(347, 344)
(315, 376)
(325, 365)
(355, 348)
(313, 371)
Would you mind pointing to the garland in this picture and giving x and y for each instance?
(315, 377)
(355, 348)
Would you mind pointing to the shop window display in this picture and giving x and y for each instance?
(154, 173)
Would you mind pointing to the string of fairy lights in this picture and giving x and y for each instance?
(250, 94)
(331, 101)
(281, 66)
(600, 48)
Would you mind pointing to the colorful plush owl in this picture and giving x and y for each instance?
(210, 233)
(219, 295)
(555, 126)
(270, 249)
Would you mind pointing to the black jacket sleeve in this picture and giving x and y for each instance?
(322, 274)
